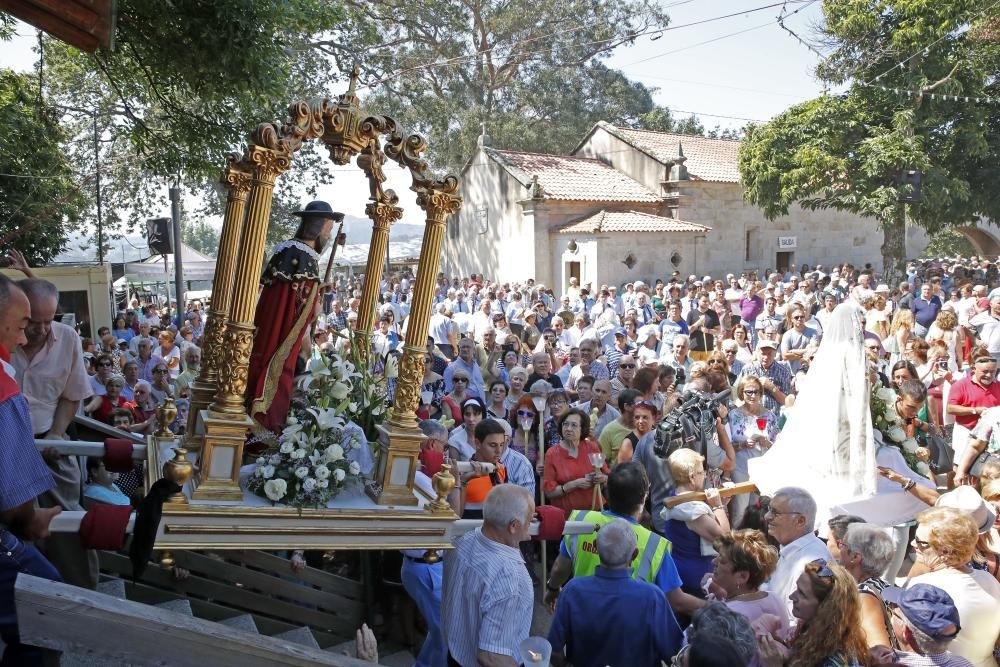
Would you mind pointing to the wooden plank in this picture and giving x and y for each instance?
(724, 492)
(67, 618)
(91, 425)
(266, 583)
(324, 580)
(240, 598)
(212, 611)
(85, 448)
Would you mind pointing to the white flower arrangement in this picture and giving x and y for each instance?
(890, 425)
(309, 465)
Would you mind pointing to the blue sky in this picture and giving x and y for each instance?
(753, 75)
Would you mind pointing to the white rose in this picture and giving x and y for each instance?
(286, 447)
(910, 445)
(886, 394)
(335, 452)
(339, 474)
(340, 390)
(308, 484)
(354, 468)
(301, 472)
(299, 454)
(267, 471)
(322, 473)
(275, 459)
(275, 489)
(323, 483)
(261, 461)
(896, 434)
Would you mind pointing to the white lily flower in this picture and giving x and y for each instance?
(275, 489)
(340, 390)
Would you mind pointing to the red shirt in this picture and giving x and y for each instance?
(967, 393)
(561, 468)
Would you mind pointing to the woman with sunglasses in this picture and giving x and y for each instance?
(752, 429)
(796, 338)
(569, 476)
(161, 387)
(828, 633)
(100, 407)
(524, 419)
(104, 367)
(945, 543)
(458, 396)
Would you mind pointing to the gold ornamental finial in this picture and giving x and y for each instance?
(355, 74)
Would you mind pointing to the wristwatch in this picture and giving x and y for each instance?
(548, 587)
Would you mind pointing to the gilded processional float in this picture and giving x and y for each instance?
(214, 509)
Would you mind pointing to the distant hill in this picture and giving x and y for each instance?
(359, 230)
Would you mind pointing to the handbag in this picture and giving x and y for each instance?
(976, 469)
(942, 455)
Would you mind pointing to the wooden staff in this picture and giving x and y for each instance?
(724, 492)
(333, 251)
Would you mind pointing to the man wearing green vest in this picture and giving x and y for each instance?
(578, 557)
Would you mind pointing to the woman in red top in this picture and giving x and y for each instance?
(100, 407)
(569, 475)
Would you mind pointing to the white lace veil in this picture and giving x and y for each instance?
(826, 445)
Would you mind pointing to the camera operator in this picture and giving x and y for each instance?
(697, 405)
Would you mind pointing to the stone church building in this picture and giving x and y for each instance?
(630, 205)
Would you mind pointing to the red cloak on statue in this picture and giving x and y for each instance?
(290, 288)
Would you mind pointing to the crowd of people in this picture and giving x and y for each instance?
(554, 400)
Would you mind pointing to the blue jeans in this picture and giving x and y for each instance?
(17, 557)
(422, 582)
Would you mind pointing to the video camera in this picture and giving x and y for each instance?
(689, 425)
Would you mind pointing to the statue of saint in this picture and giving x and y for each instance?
(291, 293)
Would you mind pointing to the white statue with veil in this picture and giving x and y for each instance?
(828, 445)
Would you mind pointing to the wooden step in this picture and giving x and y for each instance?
(243, 622)
(180, 606)
(301, 635)
(113, 587)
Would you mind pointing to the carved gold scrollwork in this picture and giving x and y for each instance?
(235, 359)
(438, 205)
(212, 339)
(411, 373)
(268, 163)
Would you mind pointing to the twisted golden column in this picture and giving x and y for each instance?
(237, 177)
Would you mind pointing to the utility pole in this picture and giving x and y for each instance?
(175, 215)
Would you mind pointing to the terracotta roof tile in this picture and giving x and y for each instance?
(573, 178)
(629, 221)
(707, 159)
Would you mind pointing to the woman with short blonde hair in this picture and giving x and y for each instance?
(945, 542)
(744, 562)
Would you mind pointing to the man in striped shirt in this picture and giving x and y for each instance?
(487, 601)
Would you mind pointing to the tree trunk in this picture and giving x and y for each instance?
(894, 247)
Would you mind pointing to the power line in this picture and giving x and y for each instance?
(652, 31)
(927, 48)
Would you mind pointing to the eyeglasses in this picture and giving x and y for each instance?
(774, 512)
(919, 544)
(797, 317)
(751, 392)
(105, 364)
(159, 371)
(460, 380)
(626, 366)
(525, 413)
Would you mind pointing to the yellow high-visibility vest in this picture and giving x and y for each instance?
(583, 548)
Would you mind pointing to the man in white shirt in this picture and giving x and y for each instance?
(791, 519)
(734, 294)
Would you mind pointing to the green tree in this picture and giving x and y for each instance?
(201, 236)
(948, 243)
(531, 72)
(182, 88)
(40, 194)
(848, 152)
